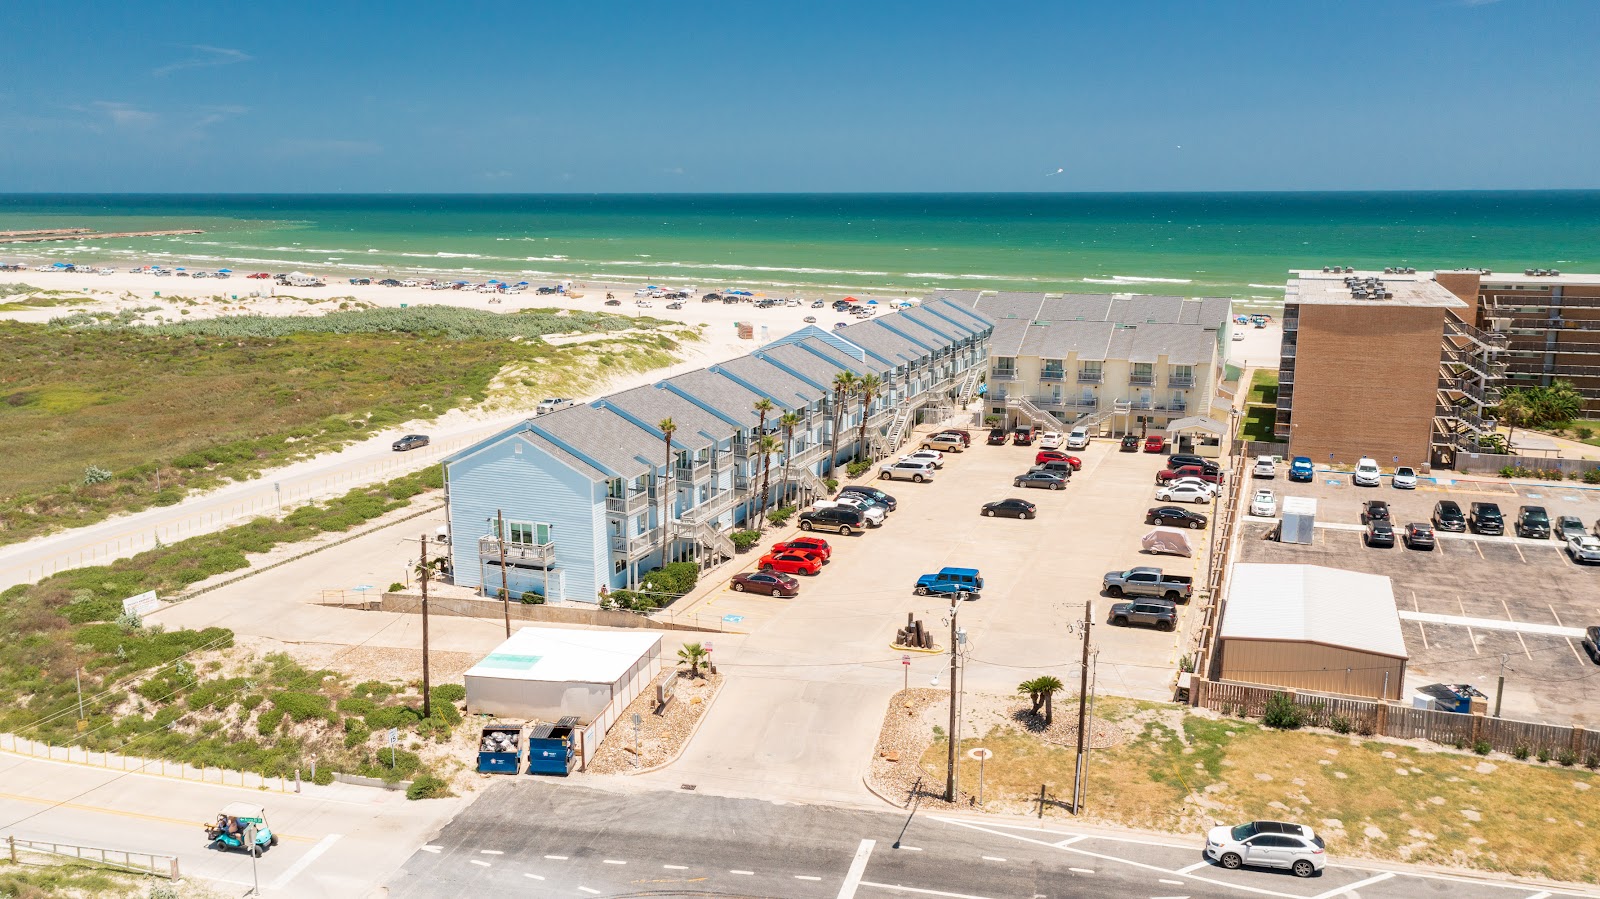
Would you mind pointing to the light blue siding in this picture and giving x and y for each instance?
(532, 486)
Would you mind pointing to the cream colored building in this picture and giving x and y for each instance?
(1104, 361)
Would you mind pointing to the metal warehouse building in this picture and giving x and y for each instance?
(1306, 627)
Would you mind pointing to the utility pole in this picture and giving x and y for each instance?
(1500, 688)
(950, 764)
(427, 698)
(1083, 708)
(79, 676)
(505, 588)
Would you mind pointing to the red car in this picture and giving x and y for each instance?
(1058, 456)
(963, 433)
(1189, 471)
(259, 275)
(791, 563)
(815, 546)
(1155, 443)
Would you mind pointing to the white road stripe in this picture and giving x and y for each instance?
(305, 861)
(1176, 883)
(1493, 624)
(1544, 895)
(911, 848)
(612, 861)
(433, 849)
(1194, 867)
(858, 867)
(1081, 870)
(587, 890)
(490, 852)
(556, 858)
(919, 891)
(676, 867)
(1379, 878)
(993, 858)
(806, 877)
(479, 862)
(1069, 841)
(742, 872)
(533, 876)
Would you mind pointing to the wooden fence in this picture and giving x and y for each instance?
(137, 862)
(1402, 722)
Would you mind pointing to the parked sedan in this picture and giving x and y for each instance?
(1265, 504)
(1174, 516)
(1591, 643)
(1196, 483)
(1016, 508)
(1058, 456)
(1050, 440)
(1380, 532)
(410, 442)
(792, 563)
(1045, 480)
(1183, 493)
(815, 546)
(1418, 535)
(1404, 478)
(1584, 549)
(769, 582)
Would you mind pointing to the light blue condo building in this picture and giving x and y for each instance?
(593, 496)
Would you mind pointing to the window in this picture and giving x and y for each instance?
(1089, 372)
(1053, 370)
(620, 566)
(1141, 373)
(528, 533)
(1180, 375)
(1005, 367)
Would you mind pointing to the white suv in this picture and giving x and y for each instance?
(1367, 473)
(1267, 844)
(1266, 467)
(1078, 438)
(910, 470)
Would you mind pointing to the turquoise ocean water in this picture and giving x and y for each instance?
(1235, 244)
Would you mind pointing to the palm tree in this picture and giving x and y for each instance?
(667, 429)
(1513, 407)
(1041, 691)
(695, 655)
(788, 423)
(1559, 403)
(844, 384)
(1029, 688)
(867, 388)
(762, 407)
(768, 445)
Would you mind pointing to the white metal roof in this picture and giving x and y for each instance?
(1299, 505)
(566, 656)
(1313, 604)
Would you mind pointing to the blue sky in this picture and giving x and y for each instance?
(812, 96)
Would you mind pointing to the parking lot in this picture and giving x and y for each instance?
(1474, 602)
(1038, 573)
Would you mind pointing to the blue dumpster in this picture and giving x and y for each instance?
(500, 749)
(550, 747)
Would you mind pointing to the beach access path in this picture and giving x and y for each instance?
(366, 462)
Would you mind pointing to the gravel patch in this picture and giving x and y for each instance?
(661, 737)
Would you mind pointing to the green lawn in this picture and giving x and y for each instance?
(1263, 387)
(157, 411)
(1257, 423)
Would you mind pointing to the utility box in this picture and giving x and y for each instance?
(1299, 521)
(550, 747)
(500, 749)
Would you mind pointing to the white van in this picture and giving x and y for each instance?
(1367, 473)
(1078, 439)
(909, 470)
(1266, 467)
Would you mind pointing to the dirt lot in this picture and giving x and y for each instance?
(1474, 601)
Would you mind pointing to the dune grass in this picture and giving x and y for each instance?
(101, 417)
(1178, 771)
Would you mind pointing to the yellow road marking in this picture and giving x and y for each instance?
(185, 822)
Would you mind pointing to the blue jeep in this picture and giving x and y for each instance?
(1300, 469)
(965, 582)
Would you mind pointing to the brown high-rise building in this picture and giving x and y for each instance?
(1381, 365)
(1551, 321)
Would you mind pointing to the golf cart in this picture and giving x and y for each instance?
(241, 825)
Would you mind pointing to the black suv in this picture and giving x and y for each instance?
(844, 520)
(1179, 460)
(1375, 510)
(1447, 516)
(998, 436)
(872, 493)
(1533, 521)
(1486, 519)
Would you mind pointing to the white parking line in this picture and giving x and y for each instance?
(919, 891)
(676, 867)
(1492, 624)
(490, 852)
(612, 861)
(587, 890)
(556, 858)
(858, 867)
(993, 858)
(1194, 867)
(1081, 870)
(1379, 878)
(432, 849)
(910, 848)
(532, 876)
(480, 863)
(305, 861)
(1176, 883)
(806, 877)
(746, 873)
(1541, 895)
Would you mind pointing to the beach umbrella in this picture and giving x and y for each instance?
(61, 265)
(851, 300)
(224, 271)
(463, 282)
(872, 302)
(522, 284)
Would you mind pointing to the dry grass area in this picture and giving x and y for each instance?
(662, 736)
(1182, 771)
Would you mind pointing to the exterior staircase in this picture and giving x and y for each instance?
(969, 385)
(717, 545)
(807, 482)
(1026, 408)
(887, 442)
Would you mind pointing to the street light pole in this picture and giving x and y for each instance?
(950, 764)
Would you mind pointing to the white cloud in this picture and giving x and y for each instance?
(204, 57)
(125, 115)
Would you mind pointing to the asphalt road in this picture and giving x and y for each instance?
(535, 837)
(334, 841)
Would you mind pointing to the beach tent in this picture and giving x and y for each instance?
(1167, 541)
(224, 271)
(872, 302)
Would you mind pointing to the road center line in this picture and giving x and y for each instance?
(676, 867)
(304, 861)
(806, 877)
(746, 873)
(556, 858)
(1194, 867)
(490, 852)
(919, 891)
(858, 867)
(479, 862)
(1378, 878)
(587, 890)
(532, 876)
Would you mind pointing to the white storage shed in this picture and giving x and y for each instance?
(545, 674)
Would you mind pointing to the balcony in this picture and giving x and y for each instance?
(713, 506)
(1287, 351)
(634, 547)
(1052, 374)
(699, 471)
(1180, 381)
(1142, 380)
(520, 554)
(632, 501)
(1087, 376)
(998, 375)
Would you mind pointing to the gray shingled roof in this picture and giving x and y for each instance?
(964, 312)
(1087, 324)
(720, 393)
(807, 364)
(602, 435)
(563, 456)
(876, 339)
(785, 389)
(651, 404)
(926, 321)
(843, 362)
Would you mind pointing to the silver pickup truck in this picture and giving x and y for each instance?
(1146, 581)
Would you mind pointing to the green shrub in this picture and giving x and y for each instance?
(1506, 471)
(389, 716)
(1591, 761)
(1281, 713)
(1520, 753)
(323, 777)
(374, 689)
(250, 702)
(832, 484)
(857, 468)
(1340, 724)
(743, 540)
(449, 693)
(355, 705)
(780, 516)
(428, 786)
(1592, 476)
(396, 587)
(356, 732)
(269, 721)
(301, 706)
(1482, 747)
(1567, 758)
(530, 598)
(674, 580)
(1544, 754)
